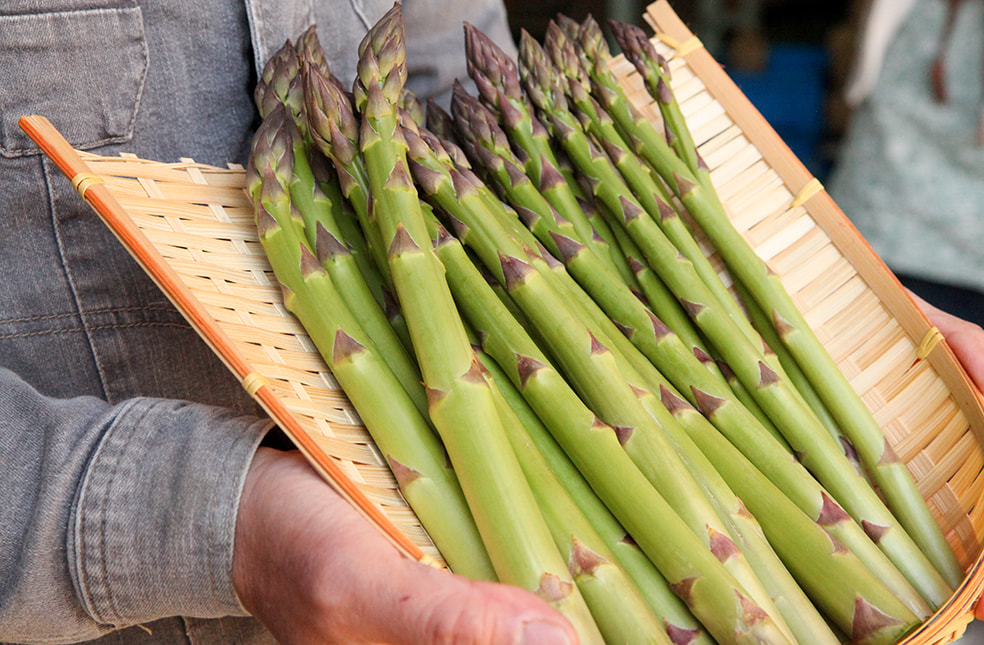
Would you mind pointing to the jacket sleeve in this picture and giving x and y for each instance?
(115, 515)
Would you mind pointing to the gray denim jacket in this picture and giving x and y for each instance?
(123, 441)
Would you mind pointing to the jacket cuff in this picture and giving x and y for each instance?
(153, 526)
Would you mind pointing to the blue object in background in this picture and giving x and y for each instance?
(789, 92)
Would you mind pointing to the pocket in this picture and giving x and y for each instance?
(84, 70)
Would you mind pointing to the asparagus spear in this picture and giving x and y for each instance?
(318, 212)
(674, 615)
(595, 373)
(702, 583)
(489, 148)
(884, 618)
(647, 189)
(497, 80)
(655, 73)
(617, 605)
(278, 80)
(401, 433)
(889, 473)
(334, 129)
(462, 407)
(782, 403)
(802, 383)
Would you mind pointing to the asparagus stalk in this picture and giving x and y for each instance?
(799, 379)
(889, 473)
(401, 433)
(792, 472)
(462, 407)
(697, 577)
(654, 292)
(323, 236)
(617, 605)
(318, 212)
(782, 403)
(742, 427)
(650, 193)
(344, 224)
(839, 583)
(672, 612)
(451, 201)
(594, 371)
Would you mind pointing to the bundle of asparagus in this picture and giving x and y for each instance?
(570, 397)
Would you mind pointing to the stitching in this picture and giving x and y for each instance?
(86, 330)
(360, 11)
(14, 153)
(56, 230)
(120, 452)
(94, 312)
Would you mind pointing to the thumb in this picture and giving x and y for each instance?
(431, 606)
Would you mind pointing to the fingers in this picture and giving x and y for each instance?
(430, 606)
(966, 339)
(313, 570)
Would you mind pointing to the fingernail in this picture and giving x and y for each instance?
(541, 633)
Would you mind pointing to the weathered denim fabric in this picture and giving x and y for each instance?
(123, 440)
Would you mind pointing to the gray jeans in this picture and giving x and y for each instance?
(123, 441)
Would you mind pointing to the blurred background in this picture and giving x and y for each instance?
(790, 57)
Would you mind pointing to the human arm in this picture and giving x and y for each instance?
(115, 515)
(119, 515)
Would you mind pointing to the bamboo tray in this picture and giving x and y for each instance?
(191, 228)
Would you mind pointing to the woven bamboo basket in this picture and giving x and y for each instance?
(190, 226)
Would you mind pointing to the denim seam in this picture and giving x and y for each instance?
(71, 278)
(97, 552)
(89, 328)
(108, 310)
(361, 13)
(228, 471)
(110, 598)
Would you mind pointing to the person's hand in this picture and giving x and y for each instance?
(966, 339)
(313, 570)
